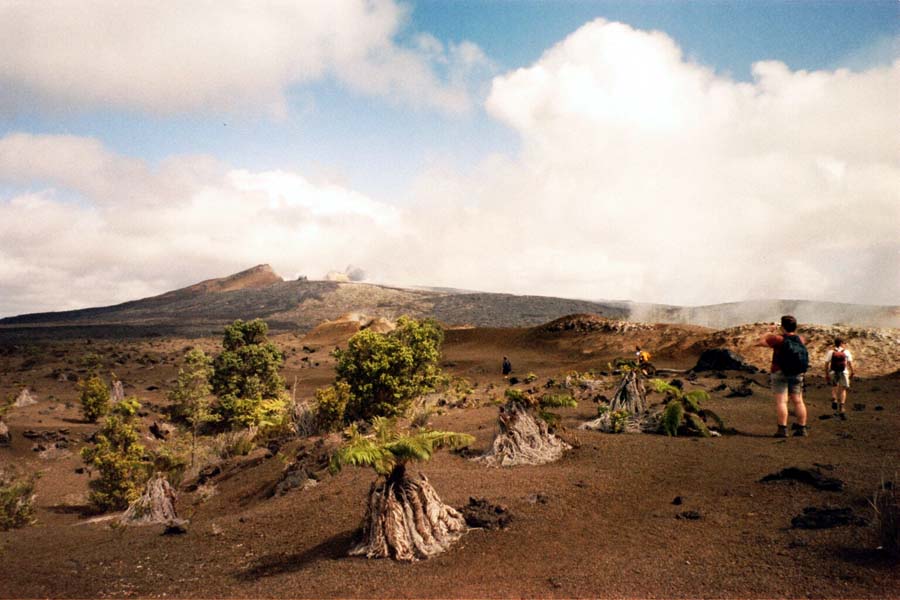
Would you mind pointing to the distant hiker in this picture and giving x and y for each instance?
(790, 360)
(641, 356)
(838, 371)
(507, 366)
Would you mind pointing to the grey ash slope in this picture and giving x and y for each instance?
(204, 308)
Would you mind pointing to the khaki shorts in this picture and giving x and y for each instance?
(841, 379)
(781, 383)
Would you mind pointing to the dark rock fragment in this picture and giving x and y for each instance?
(722, 359)
(826, 518)
(481, 513)
(811, 477)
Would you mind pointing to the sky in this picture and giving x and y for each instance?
(656, 151)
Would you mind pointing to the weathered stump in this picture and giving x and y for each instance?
(630, 396)
(155, 506)
(25, 398)
(406, 520)
(523, 440)
(5, 435)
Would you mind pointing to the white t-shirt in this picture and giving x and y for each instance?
(831, 353)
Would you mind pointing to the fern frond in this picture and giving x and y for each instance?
(662, 387)
(708, 415)
(558, 401)
(671, 419)
(697, 423)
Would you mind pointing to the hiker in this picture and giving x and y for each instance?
(790, 360)
(641, 356)
(507, 367)
(838, 371)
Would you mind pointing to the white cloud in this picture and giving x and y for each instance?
(170, 57)
(204, 220)
(646, 176)
(642, 176)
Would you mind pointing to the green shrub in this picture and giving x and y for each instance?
(94, 398)
(683, 413)
(530, 378)
(385, 372)
(16, 498)
(117, 457)
(672, 416)
(331, 403)
(618, 420)
(191, 400)
(245, 378)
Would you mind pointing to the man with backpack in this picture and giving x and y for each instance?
(839, 370)
(790, 360)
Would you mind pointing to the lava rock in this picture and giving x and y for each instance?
(740, 391)
(826, 518)
(161, 431)
(722, 359)
(689, 515)
(811, 477)
(482, 514)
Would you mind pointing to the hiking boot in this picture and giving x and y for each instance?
(782, 432)
(834, 406)
(801, 431)
(843, 416)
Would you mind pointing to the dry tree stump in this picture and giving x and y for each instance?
(406, 520)
(523, 439)
(155, 506)
(630, 396)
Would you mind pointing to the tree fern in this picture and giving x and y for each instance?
(386, 448)
(672, 416)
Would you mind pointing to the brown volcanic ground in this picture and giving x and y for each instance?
(598, 523)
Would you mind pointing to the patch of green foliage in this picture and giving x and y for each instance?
(331, 404)
(94, 398)
(618, 420)
(245, 378)
(16, 502)
(683, 413)
(530, 378)
(385, 372)
(387, 450)
(117, 457)
(672, 416)
(191, 399)
(541, 405)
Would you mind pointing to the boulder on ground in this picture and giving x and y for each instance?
(722, 359)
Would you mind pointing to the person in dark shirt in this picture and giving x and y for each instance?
(507, 366)
(786, 385)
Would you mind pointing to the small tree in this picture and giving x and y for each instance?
(94, 398)
(16, 501)
(682, 414)
(386, 372)
(405, 519)
(191, 397)
(116, 455)
(245, 377)
(331, 403)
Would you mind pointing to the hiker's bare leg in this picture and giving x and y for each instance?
(799, 409)
(781, 408)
